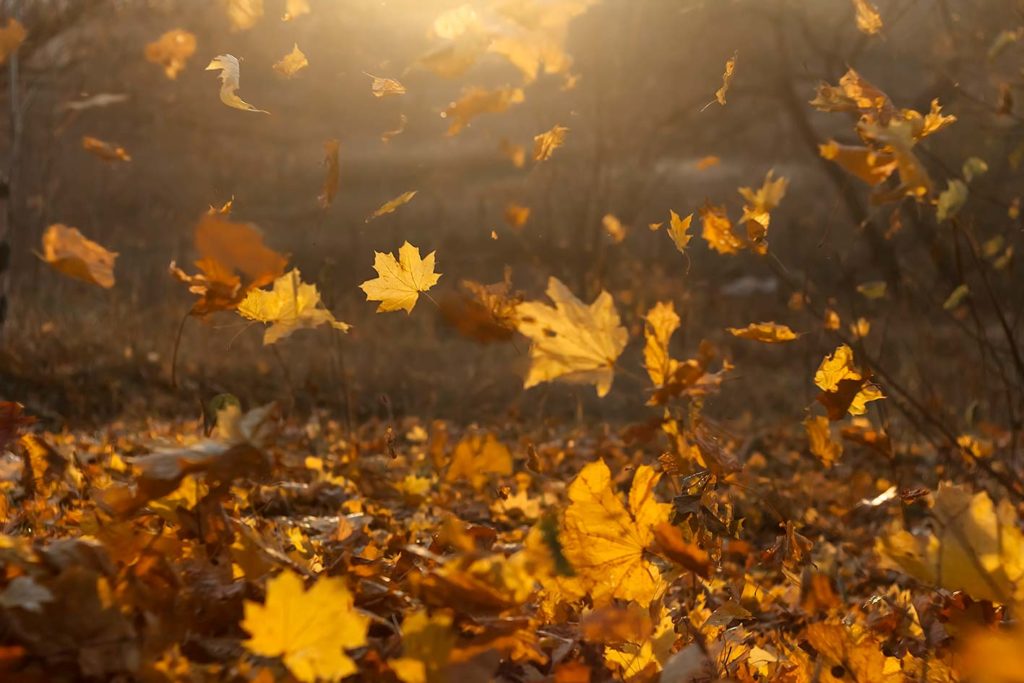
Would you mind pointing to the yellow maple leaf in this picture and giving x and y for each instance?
(545, 144)
(844, 387)
(572, 342)
(291, 305)
(869, 21)
(679, 230)
(660, 324)
(769, 332)
(400, 280)
(391, 205)
(477, 456)
(836, 367)
(758, 207)
(605, 540)
(70, 252)
(975, 546)
(717, 230)
(230, 75)
(309, 629)
(171, 51)
(291, 63)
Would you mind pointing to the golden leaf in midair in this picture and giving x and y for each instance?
(614, 227)
(717, 230)
(730, 68)
(291, 305)
(476, 101)
(244, 14)
(308, 629)
(382, 87)
(844, 387)
(516, 215)
(869, 21)
(768, 332)
(229, 82)
(758, 207)
(513, 152)
(679, 230)
(12, 35)
(291, 63)
(545, 144)
(391, 205)
(571, 341)
(105, 150)
(400, 281)
(171, 51)
(386, 136)
(606, 541)
(294, 9)
(819, 437)
(660, 324)
(333, 173)
(68, 251)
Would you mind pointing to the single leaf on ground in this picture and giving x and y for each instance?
(68, 251)
(105, 150)
(606, 541)
(291, 63)
(400, 281)
(768, 332)
(308, 629)
(291, 305)
(391, 205)
(571, 341)
(545, 144)
(172, 51)
(229, 82)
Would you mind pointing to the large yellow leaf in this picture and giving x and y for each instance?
(171, 51)
(605, 540)
(974, 546)
(660, 324)
(400, 280)
(229, 82)
(309, 629)
(70, 252)
(572, 342)
(291, 305)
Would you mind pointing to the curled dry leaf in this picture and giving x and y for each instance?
(105, 150)
(768, 332)
(400, 281)
(386, 136)
(172, 51)
(730, 69)
(229, 82)
(545, 144)
(291, 305)
(68, 251)
(391, 205)
(382, 87)
(571, 341)
(291, 63)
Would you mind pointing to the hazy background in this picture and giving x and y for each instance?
(638, 124)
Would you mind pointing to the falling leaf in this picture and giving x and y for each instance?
(758, 207)
(399, 281)
(513, 152)
(294, 9)
(229, 82)
(717, 230)
(545, 144)
(516, 215)
(973, 167)
(105, 150)
(485, 313)
(730, 68)
(710, 161)
(869, 21)
(975, 546)
(956, 297)
(309, 629)
(844, 387)
(68, 251)
(769, 332)
(172, 51)
(571, 341)
(12, 35)
(382, 87)
(679, 230)
(476, 101)
(244, 14)
(289, 306)
(392, 204)
(819, 436)
(876, 289)
(606, 541)
(870, 166)
(386, 136)
(951, 200)
(614, 227)
(660, 324)
(288, 66)
(478, 456)
(332, 175)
